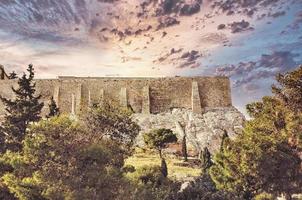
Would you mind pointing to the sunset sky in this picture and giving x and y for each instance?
(248, 40)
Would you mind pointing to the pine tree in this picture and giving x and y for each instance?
(205, 158)
(164, 168)
(13, 75)
(225, 136)
(184, 148)
(21, 111)
(53, 109)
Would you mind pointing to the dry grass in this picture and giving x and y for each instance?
(177, 168)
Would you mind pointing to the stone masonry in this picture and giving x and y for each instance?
(201, 107)
(143, 95)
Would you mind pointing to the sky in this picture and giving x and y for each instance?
(249, 41)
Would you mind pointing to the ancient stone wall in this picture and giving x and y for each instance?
(143, 95)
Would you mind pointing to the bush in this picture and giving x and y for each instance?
(264, 196)
(148, 174)
(150, 184)
(202, 188)
(61, 160)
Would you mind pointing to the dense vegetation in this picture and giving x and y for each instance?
(65, 158)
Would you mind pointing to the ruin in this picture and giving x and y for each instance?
(143, 95)
(202, 104)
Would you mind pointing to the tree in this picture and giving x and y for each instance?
(53, 109)
(206, 161)
(289, 89)
(159, 139)
(265, 158)
(62, 160)
(182, 128)
(110, 121)
(225, 137)
(12, 75)
(21, 111)
(184, 148)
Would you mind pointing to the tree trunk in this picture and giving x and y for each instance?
(160, 154)
(288, 196)
(184, 148)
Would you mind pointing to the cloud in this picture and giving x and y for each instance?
(167, 22)
(248, 7)
(166, 7)
(236, 70)
(297, 21)
(189, 59)
(266, 67)
(237, 27)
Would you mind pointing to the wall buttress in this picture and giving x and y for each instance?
(56, 95)
(196, 103)
(123, 97)
(102, 97)
(73, 112)
(146, 100)
(79, 98)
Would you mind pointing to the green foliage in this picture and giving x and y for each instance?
(21, 111)
(151, 184)
(149, 192)
(53, 109)
(205, 159)
(203, 188)
(264, 196)
(159, 139)
(149, 174)
(289, 89)
(61, 160)
(265, 158)
(111, 122)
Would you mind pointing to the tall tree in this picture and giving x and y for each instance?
(110, 121)
(266, 157)
(182, 128)
(21, 111)
(53, 109)
(289, 89)
(159, 139)
(205, 159)
(184, 148)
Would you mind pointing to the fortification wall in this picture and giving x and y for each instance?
(144, 95)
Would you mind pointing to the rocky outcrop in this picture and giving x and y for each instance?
(201, 129)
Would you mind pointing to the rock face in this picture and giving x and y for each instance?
(201, 129)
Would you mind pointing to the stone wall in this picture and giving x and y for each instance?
(143, 95)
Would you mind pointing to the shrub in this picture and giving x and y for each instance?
(264, 196)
